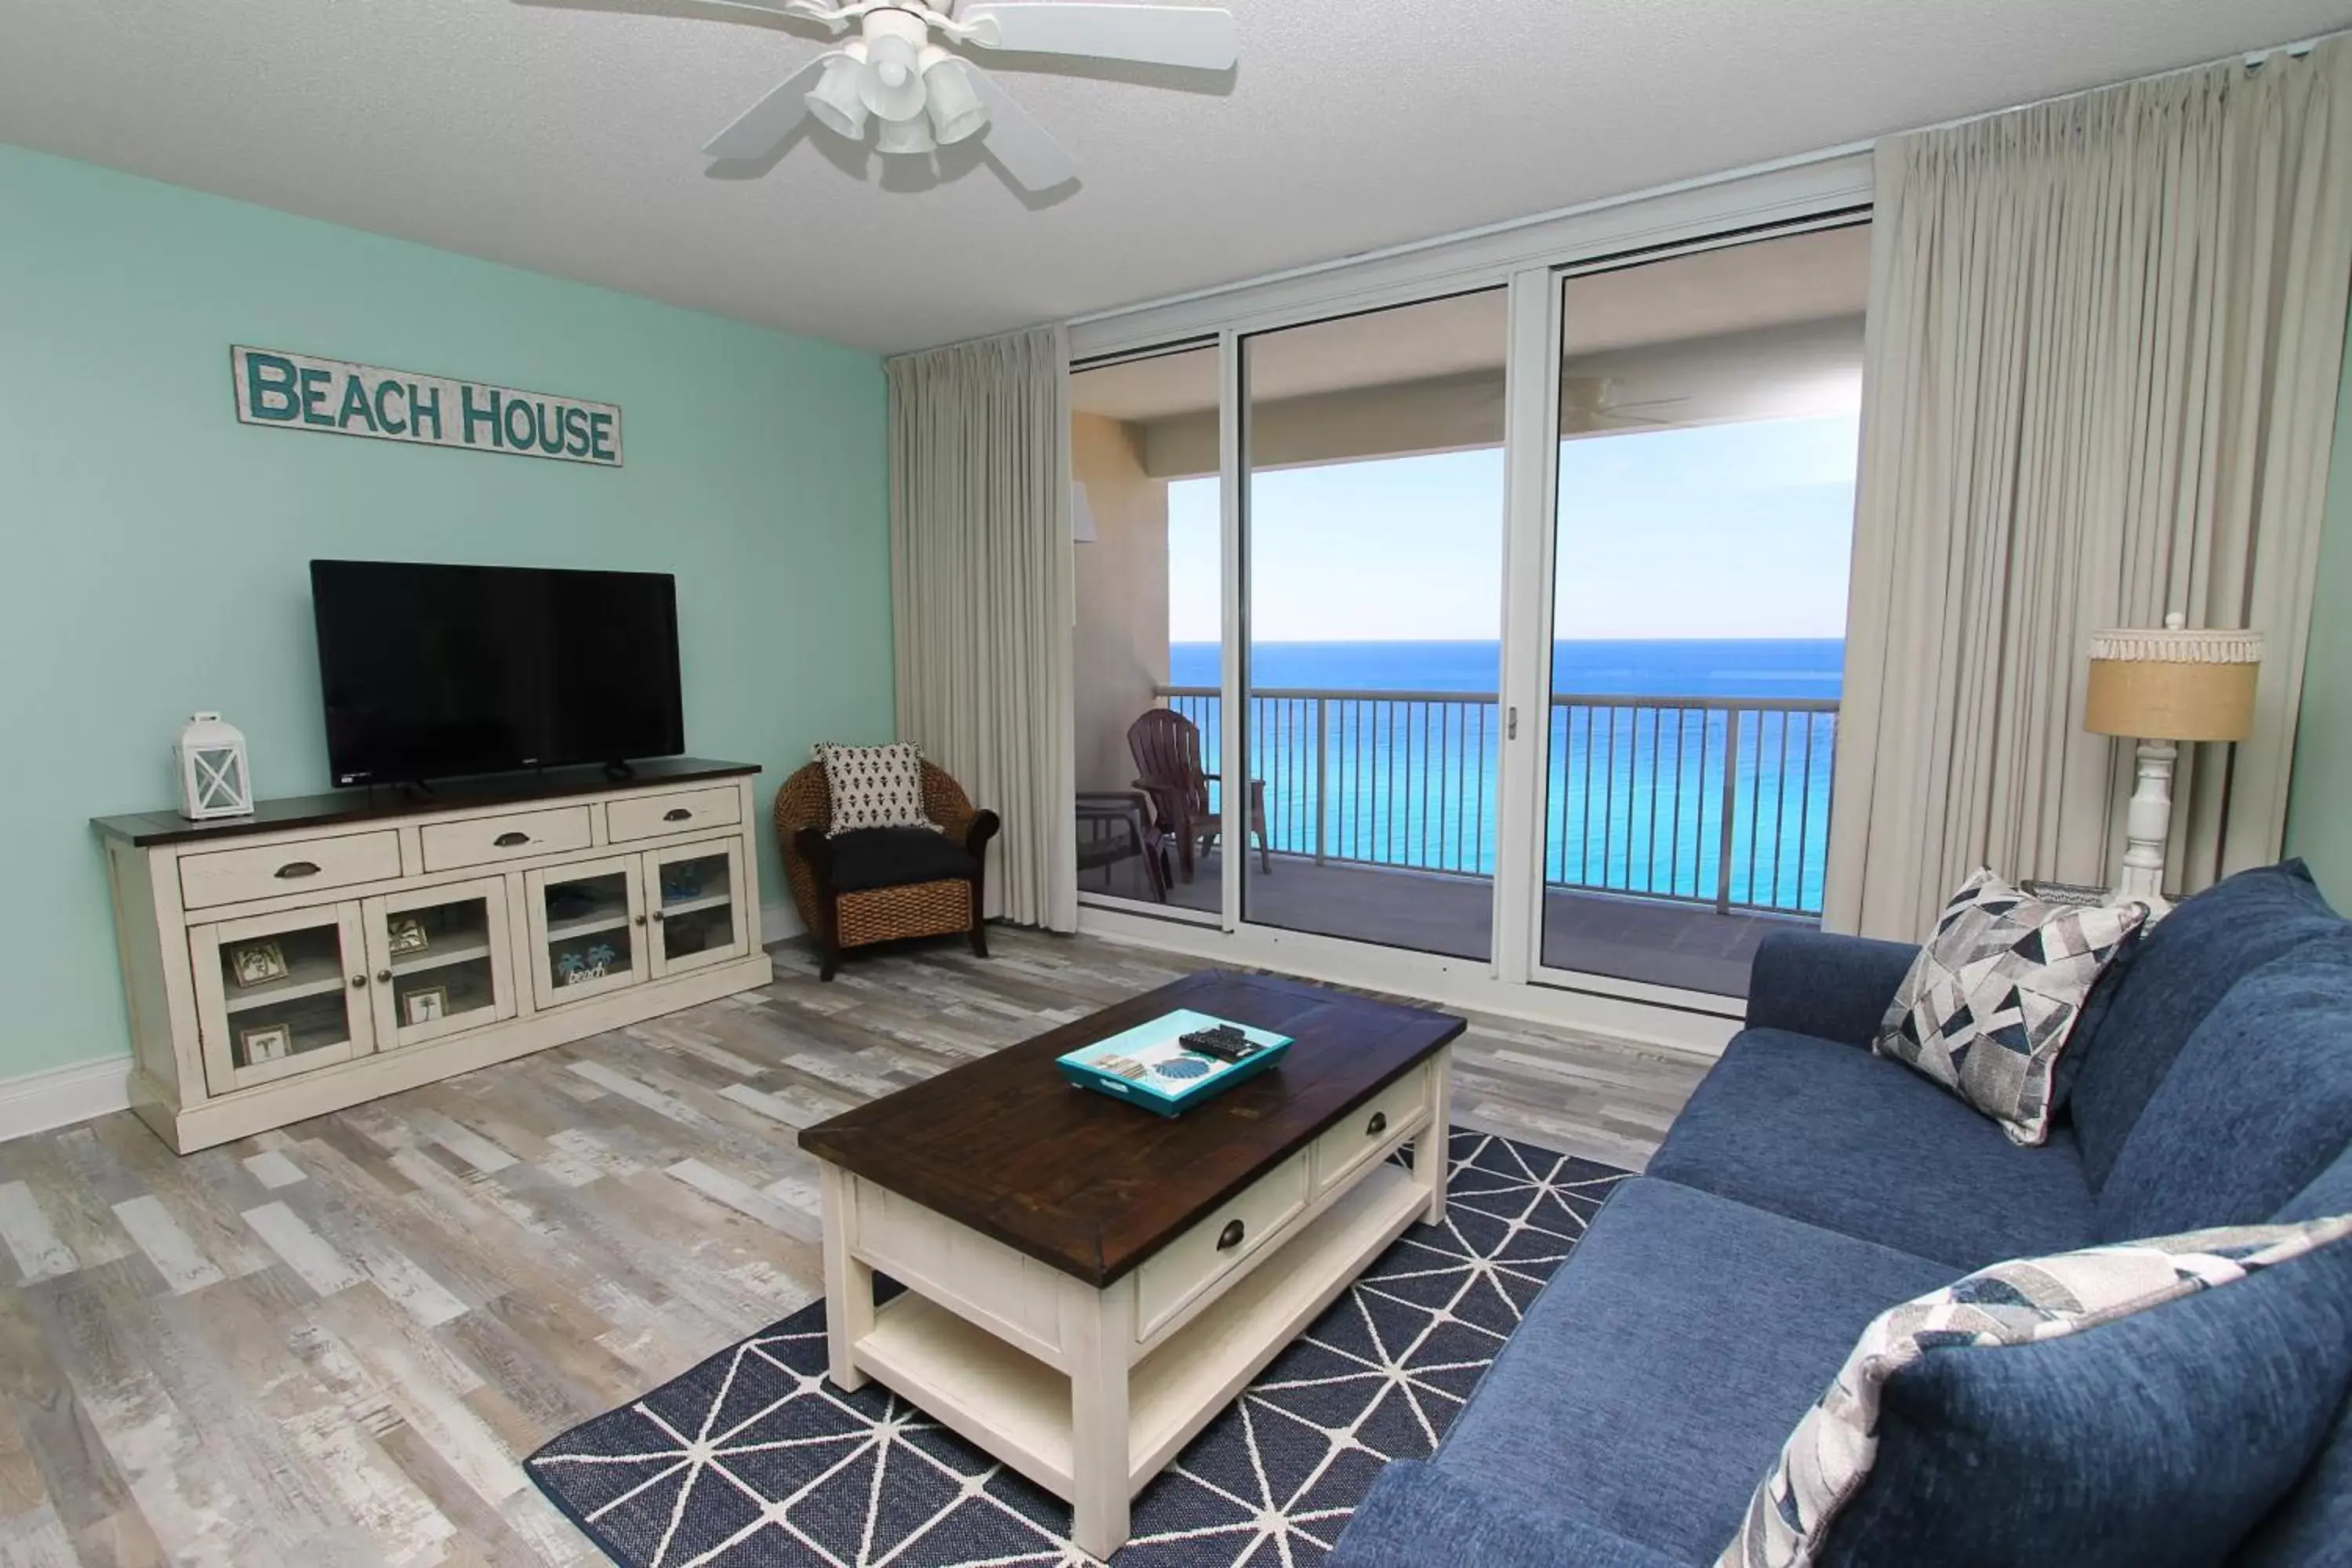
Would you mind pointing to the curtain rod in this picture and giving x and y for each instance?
(2253, 59)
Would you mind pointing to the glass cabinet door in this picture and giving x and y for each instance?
(587, 929)
(278, 994)
(695, 892)
(442, 962)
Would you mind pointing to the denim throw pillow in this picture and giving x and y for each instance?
(1992, 998)
(1828, 1459)
(873, 786)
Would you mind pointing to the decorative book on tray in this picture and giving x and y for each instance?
(1175, 1061)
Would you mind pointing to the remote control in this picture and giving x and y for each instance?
(1225, 1042)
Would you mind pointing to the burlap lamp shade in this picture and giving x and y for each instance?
(2161, 687)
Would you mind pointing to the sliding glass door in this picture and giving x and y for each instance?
(1146, 513)
(1708, 423)
(1504, 627)
(1371, 550)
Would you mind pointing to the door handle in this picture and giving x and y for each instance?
(658, 915)
(1377, 1125)
(679, 813)
(510, 840)
(297, 869)
(359, 982)
(383, 978)
(1231, 1236)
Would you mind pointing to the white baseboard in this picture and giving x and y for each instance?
(779, 922)
(60, 1096)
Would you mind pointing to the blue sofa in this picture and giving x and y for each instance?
(1810, 1184)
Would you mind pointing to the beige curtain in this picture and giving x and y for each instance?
(980, 576)
(2104, 345)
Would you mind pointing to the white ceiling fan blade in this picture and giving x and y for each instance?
(762, 128)
(1022, 146)
(1196, 35)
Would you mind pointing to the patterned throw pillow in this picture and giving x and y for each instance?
(1993, 997)
(1828, 1459)
(873, 786)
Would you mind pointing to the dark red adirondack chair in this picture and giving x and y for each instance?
(1166, 750)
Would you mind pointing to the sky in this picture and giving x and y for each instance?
(1714, 531)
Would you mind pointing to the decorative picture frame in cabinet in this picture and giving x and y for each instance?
(257, 963)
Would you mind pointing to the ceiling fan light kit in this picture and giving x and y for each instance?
(925, 96)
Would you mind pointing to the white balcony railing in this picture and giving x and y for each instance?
(1721, 801)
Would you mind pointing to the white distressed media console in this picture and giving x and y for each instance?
(329, 949)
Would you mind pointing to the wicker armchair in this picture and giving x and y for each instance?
(859, 890)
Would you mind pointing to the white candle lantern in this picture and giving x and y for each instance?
(214, 781)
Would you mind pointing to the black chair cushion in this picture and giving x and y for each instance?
(874, 857)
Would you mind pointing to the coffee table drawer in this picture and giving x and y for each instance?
(1369, 1127)
(513, 836)
(1173, 1277)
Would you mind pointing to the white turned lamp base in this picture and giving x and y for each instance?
(2148, 822)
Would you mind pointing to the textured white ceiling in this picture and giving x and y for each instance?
(564, 136)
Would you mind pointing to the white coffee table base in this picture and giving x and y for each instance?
(1090, 1392)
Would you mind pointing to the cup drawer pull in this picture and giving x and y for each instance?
(677, 814)
(511, 840)
(1231, 1236)
(1377, 1125)
(295, 870)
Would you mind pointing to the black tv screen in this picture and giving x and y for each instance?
(440, 671)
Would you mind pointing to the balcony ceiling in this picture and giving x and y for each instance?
(564, 136)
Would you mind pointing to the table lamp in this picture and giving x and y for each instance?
(2161, 687)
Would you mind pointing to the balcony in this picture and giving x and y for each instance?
(1677, 830)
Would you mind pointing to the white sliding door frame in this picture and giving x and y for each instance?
(1530, 260)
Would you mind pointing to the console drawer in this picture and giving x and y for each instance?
(1171, 1278)
(650, 816)
(270, 871)
(1371, 1127)
(487, 840)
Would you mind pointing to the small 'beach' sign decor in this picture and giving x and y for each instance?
(299, 392)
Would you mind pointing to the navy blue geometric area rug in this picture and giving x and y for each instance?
(755, 1460)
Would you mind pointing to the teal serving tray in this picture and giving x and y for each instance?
(1148, 1065)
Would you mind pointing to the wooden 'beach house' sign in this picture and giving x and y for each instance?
(299, 392)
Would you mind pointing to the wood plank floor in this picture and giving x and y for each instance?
(331, 1345)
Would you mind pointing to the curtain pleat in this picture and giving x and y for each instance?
(980, 591)
(2103, 346)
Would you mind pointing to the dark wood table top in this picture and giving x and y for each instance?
(1093, 1186)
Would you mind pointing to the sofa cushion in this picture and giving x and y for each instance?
(1654, 1380)
(2160, 1436)
(895, 857)
(1991, 1000)
(1835, 1136)
(2092, 1475)
(1417, 1515)
(1817, 982)
(2316, 1518)
(2258, 1104)
(2162, 986)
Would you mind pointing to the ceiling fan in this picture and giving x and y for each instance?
(900, 73)
(1591, 402)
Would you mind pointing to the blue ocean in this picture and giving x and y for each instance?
(1712, 667)
(1697, 770)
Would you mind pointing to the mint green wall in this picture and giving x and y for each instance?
(2319, 808)
(157, 551)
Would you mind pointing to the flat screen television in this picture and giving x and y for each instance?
(442, 671)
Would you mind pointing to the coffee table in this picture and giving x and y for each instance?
(1087, 1284)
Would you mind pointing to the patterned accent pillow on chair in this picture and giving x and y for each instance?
(873, 786)
(1992, 998)
(1828, 1460)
